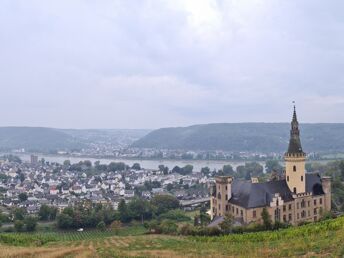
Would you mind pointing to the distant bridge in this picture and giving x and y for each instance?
(194, 202)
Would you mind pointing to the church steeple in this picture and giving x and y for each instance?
(295, 142)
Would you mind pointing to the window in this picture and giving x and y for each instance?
(297, 205)
(303, 214)
(219, 195)
(320, 200)
(284, 208)
(315, 211)
(301, 178)
(241, 213)
(303, 204)
(289, 217)
(289, 206)
(226, 207)
(294, 168)
(226, 196)
(237, 211)
(309, 213)
(287, 178)
(294, 190)
(298, 216)
(309, 203)
(233, 209)
(254, 214)
(315, 201)
(284, 218)
(226, 187)
(219, 206)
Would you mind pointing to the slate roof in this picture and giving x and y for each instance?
(253, 195)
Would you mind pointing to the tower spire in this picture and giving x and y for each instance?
(295, 142)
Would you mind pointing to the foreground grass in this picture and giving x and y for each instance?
(323, 239)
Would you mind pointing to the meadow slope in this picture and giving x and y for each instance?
(323, 239)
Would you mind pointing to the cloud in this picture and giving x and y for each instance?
(149, 64)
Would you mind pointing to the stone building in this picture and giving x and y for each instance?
(299, 197)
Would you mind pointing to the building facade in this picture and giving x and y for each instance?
(299, 197)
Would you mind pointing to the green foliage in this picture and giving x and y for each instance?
(227, 224)
(19, 225)
(47, 213)
(136, 166)
(18, 213)
(266, 219)
(30, 223)
(273, 165)
(101, 226)
(22, 197)
(164, 203)
(175, 215)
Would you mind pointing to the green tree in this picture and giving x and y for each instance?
(19, 225)
(136, 166)
(30, 223)
(267, 223)
(22, 197)
(139, 209)
(164, 203)
(186, 170)
(227, 224)
(228, 170)
(273, 165)
(205, 170)
(18, 213)
(101, 226)
(123, 212)
(64, 221)
(66, 163)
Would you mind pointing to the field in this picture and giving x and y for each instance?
(323, 239)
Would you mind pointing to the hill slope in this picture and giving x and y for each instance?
(36, 139)
(261, 137)
(322, 239)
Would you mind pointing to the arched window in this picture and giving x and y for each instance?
(294, 168)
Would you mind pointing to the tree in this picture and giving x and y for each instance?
(123, 212)
(139, 209)
(165, 170)
(205, 170)
(273, 165)
(176, 169)
(136, 166)
(228, 170)
(186, 170)
(30, 223)
(64, 221)
(101, 226)
(22, 197)
(19, 225)
(227, 224)
(47, 213)
(267, 223)
(66, 163)
(18, 213)
(164, 203)
(341, 168)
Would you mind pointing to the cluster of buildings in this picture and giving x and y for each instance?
(58, 185)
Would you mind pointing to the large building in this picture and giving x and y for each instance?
(299, 197)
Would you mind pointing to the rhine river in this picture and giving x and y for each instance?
(148, 164)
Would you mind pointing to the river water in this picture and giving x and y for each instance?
(148, 164)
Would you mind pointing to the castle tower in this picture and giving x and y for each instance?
(295, 160)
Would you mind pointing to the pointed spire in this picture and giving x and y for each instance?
(294, 142)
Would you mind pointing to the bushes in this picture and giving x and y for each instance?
(175, 215)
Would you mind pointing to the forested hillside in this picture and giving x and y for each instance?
(260, 137)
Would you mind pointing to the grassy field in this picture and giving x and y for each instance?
(323, 239)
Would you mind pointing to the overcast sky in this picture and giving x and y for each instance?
(151, 64)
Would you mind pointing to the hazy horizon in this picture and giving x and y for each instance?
(152, 64)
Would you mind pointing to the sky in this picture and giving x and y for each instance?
(162, 63)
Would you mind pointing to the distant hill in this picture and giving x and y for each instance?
(236, 137)
(36, 139)
(42, 139)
